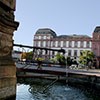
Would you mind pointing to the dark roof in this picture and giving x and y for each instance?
(97, 29)
(73, 36)
(49, 31)
(63, 36)
(46, 31)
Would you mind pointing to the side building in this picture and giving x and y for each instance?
(96, 45)
(72, 44)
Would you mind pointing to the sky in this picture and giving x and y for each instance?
(65, 17)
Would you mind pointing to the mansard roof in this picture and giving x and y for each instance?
(49, 31)
(97, 29)
(73, 36)
(46, 31)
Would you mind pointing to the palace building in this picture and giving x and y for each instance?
(72, 44)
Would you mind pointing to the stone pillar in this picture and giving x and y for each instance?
(7, 66)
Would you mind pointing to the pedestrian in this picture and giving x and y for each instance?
(39, 62)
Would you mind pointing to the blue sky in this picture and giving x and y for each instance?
(62, 16)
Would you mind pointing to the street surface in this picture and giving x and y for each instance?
(91, 72)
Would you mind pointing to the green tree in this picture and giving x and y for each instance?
(86, 56)
(29, 55)
(61, 59)
(69, 61)
(53, 60)
(23, 55)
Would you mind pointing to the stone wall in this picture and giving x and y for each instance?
(7, 67)
(82, 80)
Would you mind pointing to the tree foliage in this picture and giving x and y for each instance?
(86, 56)
(27, 55)
(61, 59)
(69, 61)
(23, 55)
(53, 60)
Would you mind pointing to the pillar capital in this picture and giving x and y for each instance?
(7, 26)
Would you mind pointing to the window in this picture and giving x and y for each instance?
(81, 44)
(53, 43)
(36, 43)
(75, 52)
(67, 43)
(48, 37)
(75, 44)
(47, 43)
(44, 43)
(44, 37)
(88, 44)
(69, 52)
(35, 37)
(39, 37)
(58, 43)
(39, 43)
(70, 43)
(61, 43)
(64, 44)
